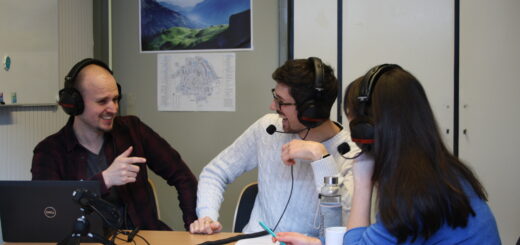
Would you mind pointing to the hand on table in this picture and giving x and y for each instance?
(205, 225)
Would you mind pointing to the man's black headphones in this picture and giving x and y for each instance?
(312, 112)
(362, 127)
(70, 98)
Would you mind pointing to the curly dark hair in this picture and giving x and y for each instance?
(299, 76)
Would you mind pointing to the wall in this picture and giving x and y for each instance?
(489, 112)
(419, 35)
(198, 136)
(21, 128)
(33, 74)
(322, 41)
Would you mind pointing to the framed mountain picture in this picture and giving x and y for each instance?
(195, 25)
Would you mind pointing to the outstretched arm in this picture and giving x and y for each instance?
(362, 197)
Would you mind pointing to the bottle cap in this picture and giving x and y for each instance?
(330, 180)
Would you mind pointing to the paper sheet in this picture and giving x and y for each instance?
(263, 240)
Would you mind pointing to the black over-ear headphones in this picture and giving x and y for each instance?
(312, 112)
(362, 127)
(69, 97)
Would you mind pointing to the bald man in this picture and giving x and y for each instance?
(96, 144)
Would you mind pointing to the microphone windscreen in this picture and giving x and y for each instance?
(271, 129)
(343, 148)
(82, 197)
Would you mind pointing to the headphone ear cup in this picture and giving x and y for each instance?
(71, 101)
(311, 114)
(362, 131)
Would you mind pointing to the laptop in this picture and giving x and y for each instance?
(43, 211)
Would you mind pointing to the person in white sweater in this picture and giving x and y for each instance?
(299, 157)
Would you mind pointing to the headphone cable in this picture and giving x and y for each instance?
(354, 157)
(292, 186)
(288, 200)
(260, 233)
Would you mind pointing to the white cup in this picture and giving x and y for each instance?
(334, 235)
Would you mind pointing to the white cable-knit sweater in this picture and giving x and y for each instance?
(255, 148)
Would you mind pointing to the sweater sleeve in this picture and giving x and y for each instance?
(323, 168)
(236, 159)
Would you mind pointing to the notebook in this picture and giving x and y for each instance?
(43, 211)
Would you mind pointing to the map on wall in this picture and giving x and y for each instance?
(195, 25)
(196, 82)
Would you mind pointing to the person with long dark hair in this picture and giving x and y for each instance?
(425, 195)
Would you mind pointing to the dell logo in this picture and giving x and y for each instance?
(49, 212)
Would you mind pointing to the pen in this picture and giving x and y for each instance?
(270, 231)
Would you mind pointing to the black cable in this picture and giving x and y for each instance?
(128, 238)
(256, 234)
(123, 240)
(142, 238)
(130, 235)
(292, 185)
(234, 238)
(308, 130)
(125, 218)
(103, 217)
(288, 200)
(354, 157)
(260, 233)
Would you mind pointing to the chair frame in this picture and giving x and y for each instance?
(156, 197)
(246, 188)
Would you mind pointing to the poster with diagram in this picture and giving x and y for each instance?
(196, 82)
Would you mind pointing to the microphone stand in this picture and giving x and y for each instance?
(81, 229)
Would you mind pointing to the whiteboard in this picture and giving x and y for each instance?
(29, 36)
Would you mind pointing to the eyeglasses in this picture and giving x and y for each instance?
(278, 102)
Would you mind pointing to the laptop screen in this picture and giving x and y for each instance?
(43, 211)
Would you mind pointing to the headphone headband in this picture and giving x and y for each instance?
(318, 73)
(70, 79)
(362, 127)
(312, 112)
(370, 80)
(70, 98)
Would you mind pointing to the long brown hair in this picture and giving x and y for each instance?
(420, 184)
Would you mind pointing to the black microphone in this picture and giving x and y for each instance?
(92, 202)
(344, 148)
(271, 129)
